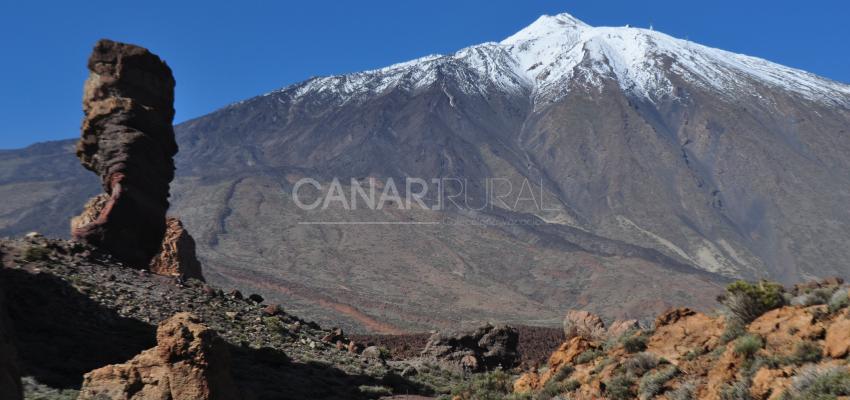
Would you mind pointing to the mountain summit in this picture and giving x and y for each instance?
(667, 168)
(558, 52)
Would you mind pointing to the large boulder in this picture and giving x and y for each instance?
(128, 141)
(485, 348)
(682, 331)
(583, 324)
(177, 255)
(10, 373)
(189, 362)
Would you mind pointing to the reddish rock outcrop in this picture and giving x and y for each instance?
(128, 141)
(189, 362)
(837, 342)
(177, 254)
(681, 331)
(583, 324)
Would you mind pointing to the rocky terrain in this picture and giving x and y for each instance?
(76, 311)
(665, 170)
(766, 344)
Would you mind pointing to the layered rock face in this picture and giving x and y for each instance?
(485, 348)
(128, 141)
(177, 255)
(10, 374)
(189, 362)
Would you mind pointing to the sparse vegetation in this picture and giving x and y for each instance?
(748, 345)
(375, 390)
(818, 296)
(640, 364)
(736, 391)
(587, 356)
(816, 383)
(746, 301)
(635, 344)
(494, 385)
(274, 324)
(734, 329)
(36, 253)
(619, 388)
(839, 300)
(685, 391)
(806, 352)
(653, 383)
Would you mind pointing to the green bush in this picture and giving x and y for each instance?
(587, 356)
(571, 385)
(653, 383)
(275, 325)
(685, 391)
(839, 300)
(619, 388)
(736, 391)
(635, 344)
(640, 364)
(817, 383)
(747, 301)
(806, 352)
(36, 254)
(818, 296)
(734, 329)
(748, 345)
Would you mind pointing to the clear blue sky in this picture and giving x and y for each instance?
(223, 52)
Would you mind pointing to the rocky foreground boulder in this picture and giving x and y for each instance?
(128, 141)
(189, 362)
(485, 348)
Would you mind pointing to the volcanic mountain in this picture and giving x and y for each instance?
(659, 169)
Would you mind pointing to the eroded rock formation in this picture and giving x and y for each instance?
(189, 362)
(584, 324)
(177, 255)
(128, 141)
(485, 348)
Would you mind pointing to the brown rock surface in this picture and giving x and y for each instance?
(177, 255)
(837, 343)
(584, 324)
(620, 327)
(769, 383)
(783, 327)
(189, 362)
(682, 331)
(128, 141)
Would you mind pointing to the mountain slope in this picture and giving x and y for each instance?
(666, 168)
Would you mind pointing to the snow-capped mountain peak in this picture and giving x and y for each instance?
(555, 53)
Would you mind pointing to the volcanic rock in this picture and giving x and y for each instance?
(620, 327)
(490, 347)
(584, 324)
(189, 362)
(681, 331)
(128, 141)
(177, 255)
(837, 342)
